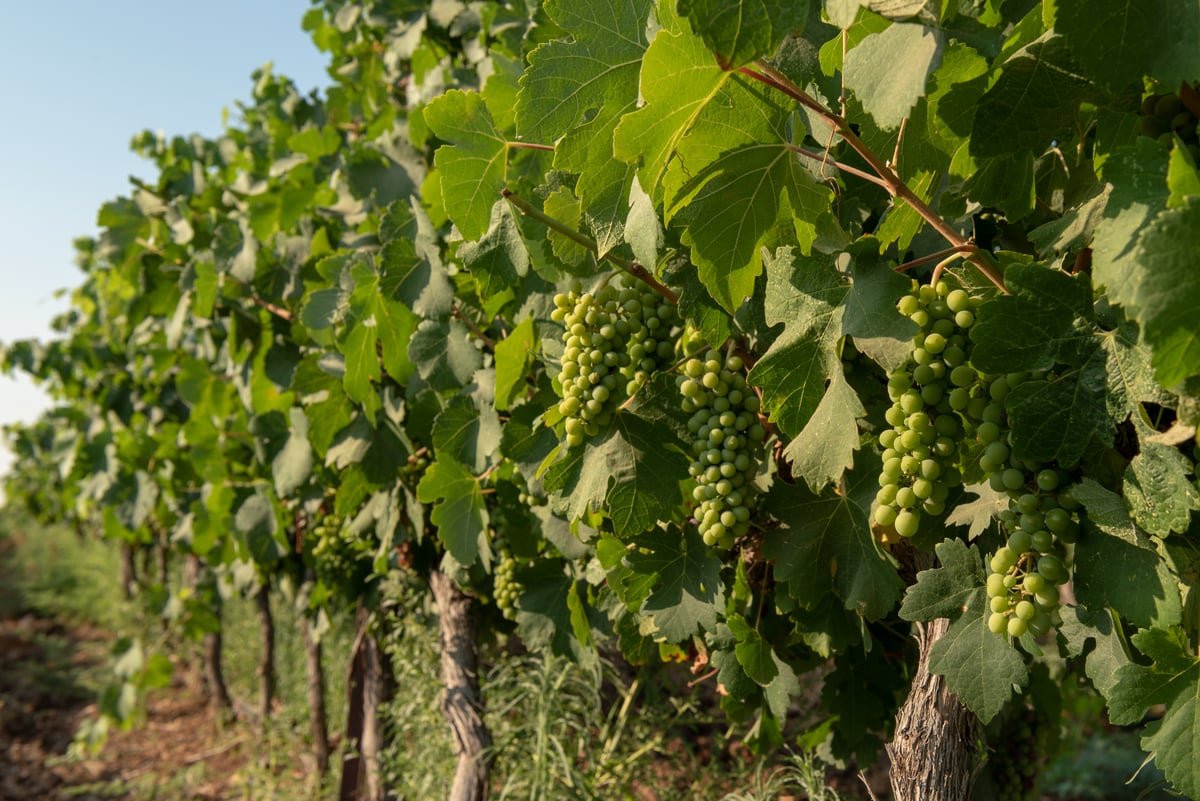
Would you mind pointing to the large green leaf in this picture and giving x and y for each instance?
(459, 511)
(826, 545)
(944, 590)
(1166, 291)
(1032, 103)
(687, 589)
(1116, 41)
(633, 472)
(1173, 680)
(740, 32)
(980, 667)
(473, 165)
(576, 92)
(888, 71)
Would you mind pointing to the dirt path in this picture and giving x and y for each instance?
(48, 675)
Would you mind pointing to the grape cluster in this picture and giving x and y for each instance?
(339, 558)
(614, 338)
(727, 445)
(414, 469)
(930, 397)
(506, 589)
(946, 418)
(1164, 117)
(1029, 568)
(1019, 755)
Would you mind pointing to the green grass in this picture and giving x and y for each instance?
(54, 572)
(561, 731)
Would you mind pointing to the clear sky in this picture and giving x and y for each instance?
(78, 78)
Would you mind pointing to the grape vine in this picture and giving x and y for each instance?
(756, 346)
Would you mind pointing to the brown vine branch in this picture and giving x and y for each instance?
(484, 338)
(278, 311)
(631, 267)
(897, 188)
(941, 254)
(824, 159)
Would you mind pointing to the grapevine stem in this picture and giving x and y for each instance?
(531, 146)
(484, 338)
(632, 267)
(941, 254)
(897, 188)
(278, 311)
(704, 678)
(824, 159)
(942, 265)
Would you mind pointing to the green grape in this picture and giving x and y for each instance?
(907, 522)
(506, 589)
(614, 339)
(727, 443)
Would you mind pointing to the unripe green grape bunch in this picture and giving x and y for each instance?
(930, 398)
(339, 558)
(614, 339)
(1027, 571)
(1164, 117)
(506, 589)
(727, 444)
(1019, 755)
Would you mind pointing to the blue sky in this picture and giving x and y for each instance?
(78, 78)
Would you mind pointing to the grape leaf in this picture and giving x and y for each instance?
(472, 165)
(443, 354)
(880, 331)
(459, 511)
(696, 305)
(1117, 40)
(514, 357)
(410, 268)
(577, 91)
(738, 33)
(826, 545)
(1081, 626)
(945, 590)
(733, 179)
(500, 257)
(1137, 176)
(256, 521)
(1043, 321)
(981, 668)
(1055, 420)
(544, 610)
(1131, 579)
(292, 465)
(806, 294)
(902, 222)
(753, 652)
(1183, 177)
(1166, 290)
(1173, 680)
(467, 434)
(382, 319)
(679, 78)
(825, 448)
(1159, 491)
(1130, 379)
(1032, 103)
(687, 582)
(633, 470)
(888, 71)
